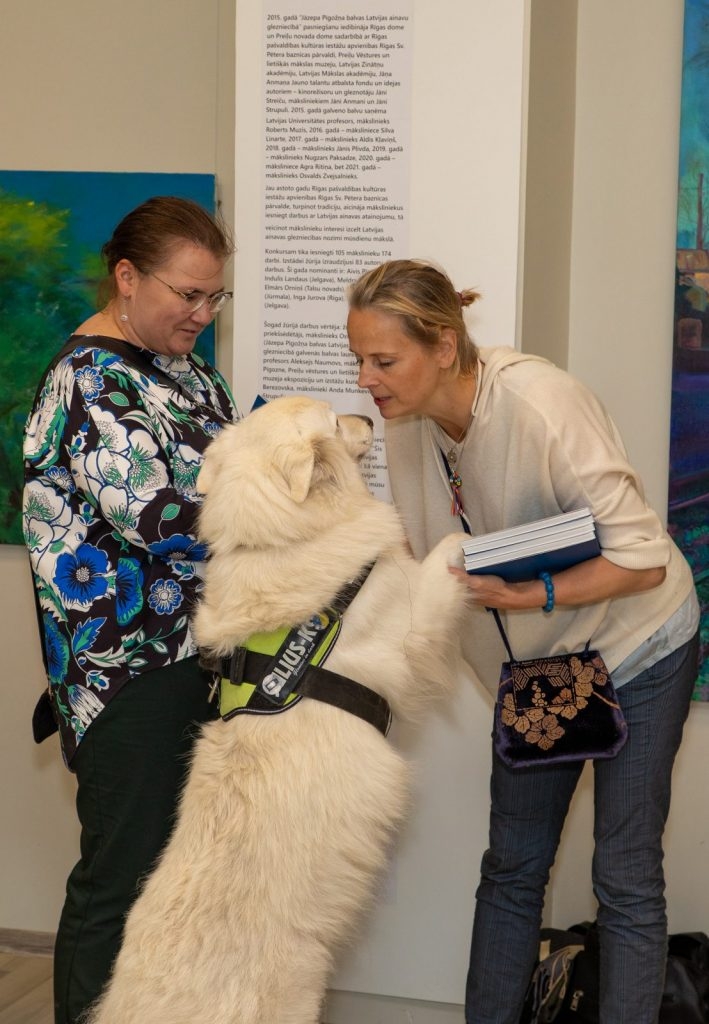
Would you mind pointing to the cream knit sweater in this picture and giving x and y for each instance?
(540, 443)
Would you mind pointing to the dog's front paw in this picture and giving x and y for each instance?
(451, 550)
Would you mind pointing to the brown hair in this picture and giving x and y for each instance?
(424, 299)
(148, 233)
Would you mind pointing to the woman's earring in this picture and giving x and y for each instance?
(123, 317)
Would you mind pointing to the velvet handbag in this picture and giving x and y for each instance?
(557, 709)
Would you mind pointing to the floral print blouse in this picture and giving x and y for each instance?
(109, 508)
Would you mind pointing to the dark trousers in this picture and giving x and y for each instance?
(130, 768)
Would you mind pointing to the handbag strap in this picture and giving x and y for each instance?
(506, 642)
(498, 623)
(495, 612)
(466, 527)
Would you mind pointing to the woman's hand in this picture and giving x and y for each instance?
(587, 583)
(494, 592)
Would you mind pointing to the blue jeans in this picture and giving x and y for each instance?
(631, 803)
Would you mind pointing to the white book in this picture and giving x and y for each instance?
(532, 547)
(485, 543)
(549, 524)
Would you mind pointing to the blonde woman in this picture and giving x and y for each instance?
(496, 438)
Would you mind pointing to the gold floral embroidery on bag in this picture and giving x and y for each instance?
(554, 710)
(548, 690)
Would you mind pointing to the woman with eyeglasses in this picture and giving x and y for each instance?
(112, 449)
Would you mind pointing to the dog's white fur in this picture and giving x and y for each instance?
(286, 819)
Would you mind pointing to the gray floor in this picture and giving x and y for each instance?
(25, 988)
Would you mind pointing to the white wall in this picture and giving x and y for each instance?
(548, 152)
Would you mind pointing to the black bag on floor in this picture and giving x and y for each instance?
(564, 986)
(581, 1002)
(550, 987)
(686, 996)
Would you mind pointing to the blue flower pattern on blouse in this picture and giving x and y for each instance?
(81, 578)
(110, 504)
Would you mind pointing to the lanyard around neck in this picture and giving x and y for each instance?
(455, 483)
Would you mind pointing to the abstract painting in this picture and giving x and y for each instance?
(688, 511)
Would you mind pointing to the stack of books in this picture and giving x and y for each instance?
(545, 545)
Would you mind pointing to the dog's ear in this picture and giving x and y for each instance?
(295, 464)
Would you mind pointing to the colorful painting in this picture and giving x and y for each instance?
(52, 227)
(688, 511)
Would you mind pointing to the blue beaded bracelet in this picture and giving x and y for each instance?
(549, 585)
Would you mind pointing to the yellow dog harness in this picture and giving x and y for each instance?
(272, 672)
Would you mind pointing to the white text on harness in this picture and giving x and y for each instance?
(292, 658)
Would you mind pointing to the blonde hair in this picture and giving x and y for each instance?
(425, 301)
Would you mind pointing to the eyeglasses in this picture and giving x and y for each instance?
(196, 299)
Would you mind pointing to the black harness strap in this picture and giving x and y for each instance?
(316, 682)
(332, 688)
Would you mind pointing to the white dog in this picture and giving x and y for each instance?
(286, 818)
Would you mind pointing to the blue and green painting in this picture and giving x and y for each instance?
(52, 227)
(688, 511)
